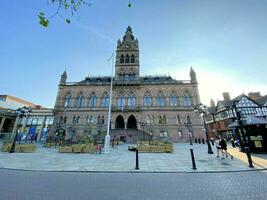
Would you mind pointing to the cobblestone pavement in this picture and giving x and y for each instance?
(121, 160)
(28, 185)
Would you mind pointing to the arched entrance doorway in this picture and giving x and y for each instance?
(119, 122)
(132, 123)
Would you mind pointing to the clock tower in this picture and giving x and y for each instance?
(127, 58)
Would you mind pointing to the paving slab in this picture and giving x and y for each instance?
(121, 160)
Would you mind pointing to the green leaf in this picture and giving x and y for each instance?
(42, 20)
(67, 21)
(129, 5)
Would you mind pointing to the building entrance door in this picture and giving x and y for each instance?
(132, 123)
(119, 122)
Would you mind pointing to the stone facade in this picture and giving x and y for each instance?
(158, 106)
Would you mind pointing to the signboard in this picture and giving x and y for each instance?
(258, 144)
(259, 137)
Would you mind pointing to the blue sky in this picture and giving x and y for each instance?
(224, 41)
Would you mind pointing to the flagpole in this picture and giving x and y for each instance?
(107, 137)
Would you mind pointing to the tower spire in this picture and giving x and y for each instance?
(193, 75)
(63, 78)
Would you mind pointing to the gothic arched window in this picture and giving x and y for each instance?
(173, 100)
(160, 120)
(67, 102)
(132, 59)
(148, 119)
(92, 100)
(161, 100)
(65, 120)
(187, 99)
(105, 100)
(127, 60)
(164, 120)
(74, 120)
(152, 119)
(79, 103)
(147, 100)
(132, 101)
(131, 77)
(122, 59)
(121, 101)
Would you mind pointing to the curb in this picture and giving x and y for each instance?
(134, 171)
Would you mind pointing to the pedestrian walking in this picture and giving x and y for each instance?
(218, 147)
(224, 148)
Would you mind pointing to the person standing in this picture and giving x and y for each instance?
(224, 148)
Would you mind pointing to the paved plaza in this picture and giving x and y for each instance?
(121, 160)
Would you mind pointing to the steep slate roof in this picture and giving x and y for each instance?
(142, 80)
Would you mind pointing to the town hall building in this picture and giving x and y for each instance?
(155, 106)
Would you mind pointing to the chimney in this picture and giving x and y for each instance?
(226, 96)
(212, 103)
(254, 95)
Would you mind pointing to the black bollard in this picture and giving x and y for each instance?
(193, 159)
(203, 141)
(199, 141)
(12, 149)
(112, 143)
(212, 142)
(249, 157)
(136, 160)
(233, 143)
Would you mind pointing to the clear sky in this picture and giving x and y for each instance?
(225, 41)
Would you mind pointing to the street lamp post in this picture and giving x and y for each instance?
(189, 126)
(202, 110)
(143, 126)
(239, 121)
(21, 112)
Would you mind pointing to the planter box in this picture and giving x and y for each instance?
(77, 148)
(27, 148)
(157, 149)
(88, 149)
(66, 149)
(144, 149)
(169, 148)
(50, 144)
(6, 147)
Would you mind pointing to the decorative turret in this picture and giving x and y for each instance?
(127, 57)
(63, 78)
(128, 42)
(193, 76)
